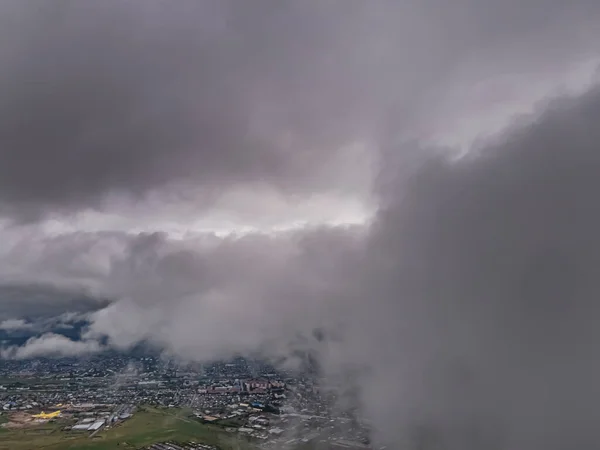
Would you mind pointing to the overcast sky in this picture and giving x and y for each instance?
(416, 178)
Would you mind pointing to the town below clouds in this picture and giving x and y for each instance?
(403, 191)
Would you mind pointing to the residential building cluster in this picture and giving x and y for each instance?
(250, 399)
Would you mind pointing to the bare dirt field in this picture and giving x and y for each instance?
(21, 420)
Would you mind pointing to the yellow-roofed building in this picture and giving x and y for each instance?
(44, 415)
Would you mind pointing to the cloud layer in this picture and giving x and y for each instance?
(122, 98)
(110, 102)
(53, 345)
(465, 307)
(469, 302)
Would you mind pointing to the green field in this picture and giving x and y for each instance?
(147, 426)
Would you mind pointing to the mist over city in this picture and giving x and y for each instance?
(339, 224)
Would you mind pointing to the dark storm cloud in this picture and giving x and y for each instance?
(484, 275)
(471, 305)
(122, 97)
(466, 313)
(39, 302)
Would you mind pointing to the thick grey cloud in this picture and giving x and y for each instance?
(488, 275)
(41, 301)
(111, 97)
(114, 97)
(465, 311)
(160, 280)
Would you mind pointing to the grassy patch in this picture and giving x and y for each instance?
(144, 428)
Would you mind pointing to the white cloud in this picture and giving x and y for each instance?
(15, 324)
(52, 345)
